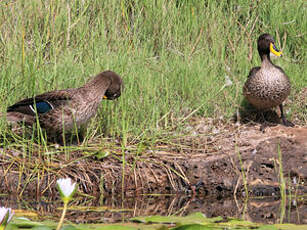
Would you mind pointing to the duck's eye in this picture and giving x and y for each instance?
(41, 107)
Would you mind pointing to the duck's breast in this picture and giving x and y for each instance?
(268, 88)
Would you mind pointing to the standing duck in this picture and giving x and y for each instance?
(267, 86)
(62, 111)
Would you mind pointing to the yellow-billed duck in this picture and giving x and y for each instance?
(63, 110)
(267, 86)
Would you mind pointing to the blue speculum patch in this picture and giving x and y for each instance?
(42, 107)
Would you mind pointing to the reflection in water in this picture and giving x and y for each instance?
(112, 209)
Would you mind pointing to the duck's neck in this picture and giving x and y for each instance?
(265, 59)
(96, 88)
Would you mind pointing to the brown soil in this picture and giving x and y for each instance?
(207, 162)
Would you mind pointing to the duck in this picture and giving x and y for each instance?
(62, 111)
(267, 86)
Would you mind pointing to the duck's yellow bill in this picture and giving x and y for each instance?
(274, 50)
(105, 97)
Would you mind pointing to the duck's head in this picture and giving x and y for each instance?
(266, 44)
(116, 86)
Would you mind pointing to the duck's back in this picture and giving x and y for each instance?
(267, 86)
(75, 112)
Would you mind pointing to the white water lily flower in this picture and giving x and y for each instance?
(66, 188)
(6, 215)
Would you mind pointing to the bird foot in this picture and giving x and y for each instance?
(287, 123)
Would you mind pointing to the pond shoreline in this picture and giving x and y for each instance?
(205, 162)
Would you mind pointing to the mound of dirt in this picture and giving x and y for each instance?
(215, 159)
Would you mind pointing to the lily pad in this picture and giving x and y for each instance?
(195, 218)
(116, 227)
(22, 222)
(42, 228)
(267, 227)
(239, 223)
(290, 227)
(194, 227)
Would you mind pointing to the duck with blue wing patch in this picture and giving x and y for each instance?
(63, 110)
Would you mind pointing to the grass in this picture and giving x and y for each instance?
(172, 55)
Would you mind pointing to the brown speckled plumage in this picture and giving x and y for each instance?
(69, 108)
(267, 86)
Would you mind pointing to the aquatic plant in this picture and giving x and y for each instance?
(6, 215)
(66, 189)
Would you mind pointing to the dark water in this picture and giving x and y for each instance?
(113, 209)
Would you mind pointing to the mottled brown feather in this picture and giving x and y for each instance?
(266, 86)
(71, 107)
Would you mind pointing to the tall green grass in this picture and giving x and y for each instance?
(173, 55)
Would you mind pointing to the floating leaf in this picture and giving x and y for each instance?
(267, 227)
(290, 226)
(195, 218)
(69, 227)
(23, 222)
(239, 223)
(116, 227)
(194, 227)
(42, 228)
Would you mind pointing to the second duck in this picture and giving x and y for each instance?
(267, 86)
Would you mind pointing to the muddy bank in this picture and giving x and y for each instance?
(205, 162)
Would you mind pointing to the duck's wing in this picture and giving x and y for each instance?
(252, 73)
(14, 117)
(42, 103)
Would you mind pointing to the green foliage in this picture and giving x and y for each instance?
(117, 227)
(194, 227)
(193, 221)
(173, 55)
(190, 219)
(21, 222)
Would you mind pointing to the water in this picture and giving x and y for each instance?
(267, 210)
